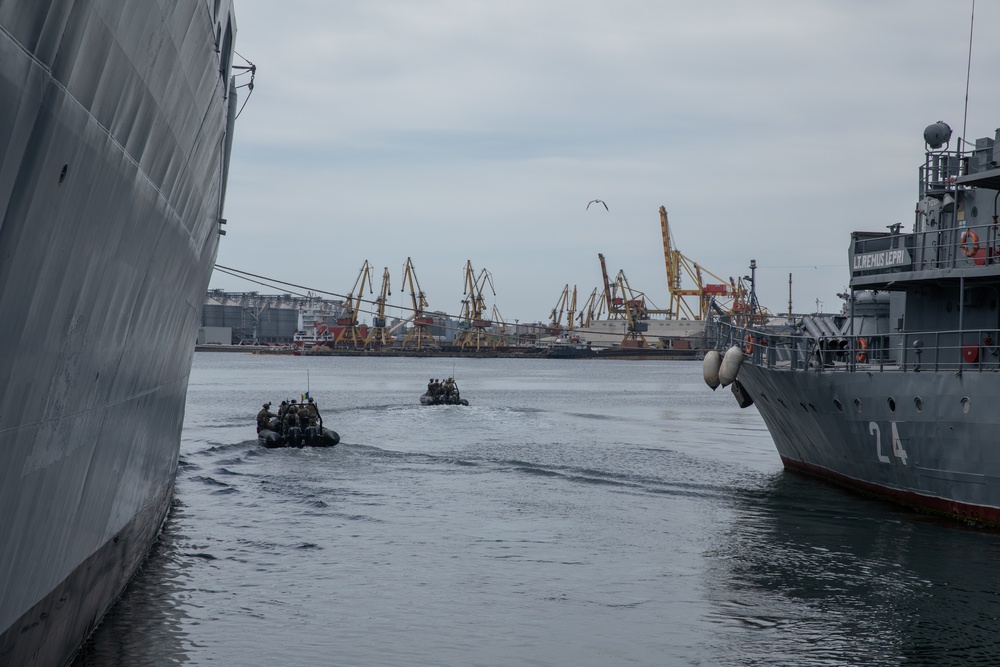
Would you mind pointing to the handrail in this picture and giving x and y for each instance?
(790, 349)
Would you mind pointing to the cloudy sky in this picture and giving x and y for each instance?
(450, 131)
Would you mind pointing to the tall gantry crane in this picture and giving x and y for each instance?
(472, 328)
(350, 333)
(728, 297)
(565, 304)
(419, 331)
(501, 327)
(592, 309)
(635, 310)
(379, 335)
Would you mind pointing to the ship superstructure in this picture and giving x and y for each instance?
(896, 396)
(116, 127)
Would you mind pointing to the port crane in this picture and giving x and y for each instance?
(726, 297)
(635, 311)
(419, 332)
(472, 328)
(566, 304)
(350, 333)
(379, 335)
(592, 309)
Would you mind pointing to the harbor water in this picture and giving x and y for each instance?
(578, 512)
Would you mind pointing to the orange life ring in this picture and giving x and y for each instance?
(748, 345)
(970, 243)
(861, 356)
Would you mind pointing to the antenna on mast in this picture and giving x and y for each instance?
(968, 75)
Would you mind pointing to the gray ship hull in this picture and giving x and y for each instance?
(114, 128)
(926, 439)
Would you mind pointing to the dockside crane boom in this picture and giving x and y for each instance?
(379, 335)
(728, 296)
(419, 333)
(350, 333)
(592, 309)
(634, 306)
(473, 324)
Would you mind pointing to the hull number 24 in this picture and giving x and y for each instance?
(897, 444)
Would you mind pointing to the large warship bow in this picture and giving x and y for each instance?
(895, 395)
(115, 126)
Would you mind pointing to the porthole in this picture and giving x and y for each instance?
(838, 405)
(918, 402)
(857, 404)
(892, 404)
(966, 404)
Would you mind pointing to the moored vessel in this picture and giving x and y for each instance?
(117, 128)
(895, 395)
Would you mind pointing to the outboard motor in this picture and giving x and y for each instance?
(311, 435)
(294, 437)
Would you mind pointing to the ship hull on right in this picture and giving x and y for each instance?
(896, 396)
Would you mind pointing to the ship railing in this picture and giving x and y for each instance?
(966, 246)
(969, 350)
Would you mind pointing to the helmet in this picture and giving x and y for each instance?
(267, 405)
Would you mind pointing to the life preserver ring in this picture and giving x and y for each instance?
(970, 243)
(748, 345)
(862, 355)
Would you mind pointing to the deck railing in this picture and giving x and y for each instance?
(969, 350)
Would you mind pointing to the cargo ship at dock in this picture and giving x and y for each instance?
(895, 396)
(117, 128)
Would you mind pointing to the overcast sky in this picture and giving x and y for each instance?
(451, 131)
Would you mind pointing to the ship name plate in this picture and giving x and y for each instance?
(881, 259)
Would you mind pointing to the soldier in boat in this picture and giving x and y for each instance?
(264, 417)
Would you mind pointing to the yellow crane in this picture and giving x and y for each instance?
(592, 309)
(419, 331)
(350, 332)
(379, 335)
(728, 297)
(472, 328)
(566, 304)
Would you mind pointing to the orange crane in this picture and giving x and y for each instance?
(473, 325)
(418, 333)
(609, 298)
(379, 335)
(729, 297)
(350, 332)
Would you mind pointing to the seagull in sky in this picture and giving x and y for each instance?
(598, 201)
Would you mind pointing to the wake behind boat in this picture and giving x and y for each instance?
(895, 396)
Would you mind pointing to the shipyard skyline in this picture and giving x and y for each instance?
(448, 133)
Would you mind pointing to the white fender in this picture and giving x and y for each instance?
(730, 365)
(710, 368)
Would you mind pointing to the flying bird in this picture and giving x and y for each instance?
(598, 201)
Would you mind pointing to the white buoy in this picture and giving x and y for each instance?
(710, 368)
(730, 365)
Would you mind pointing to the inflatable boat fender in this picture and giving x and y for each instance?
(710, 366)
(730, 366)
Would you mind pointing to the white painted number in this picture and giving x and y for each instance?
(897, 443)
(877, 432)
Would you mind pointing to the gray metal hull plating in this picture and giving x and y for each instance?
(113, 129)
(928, 439)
